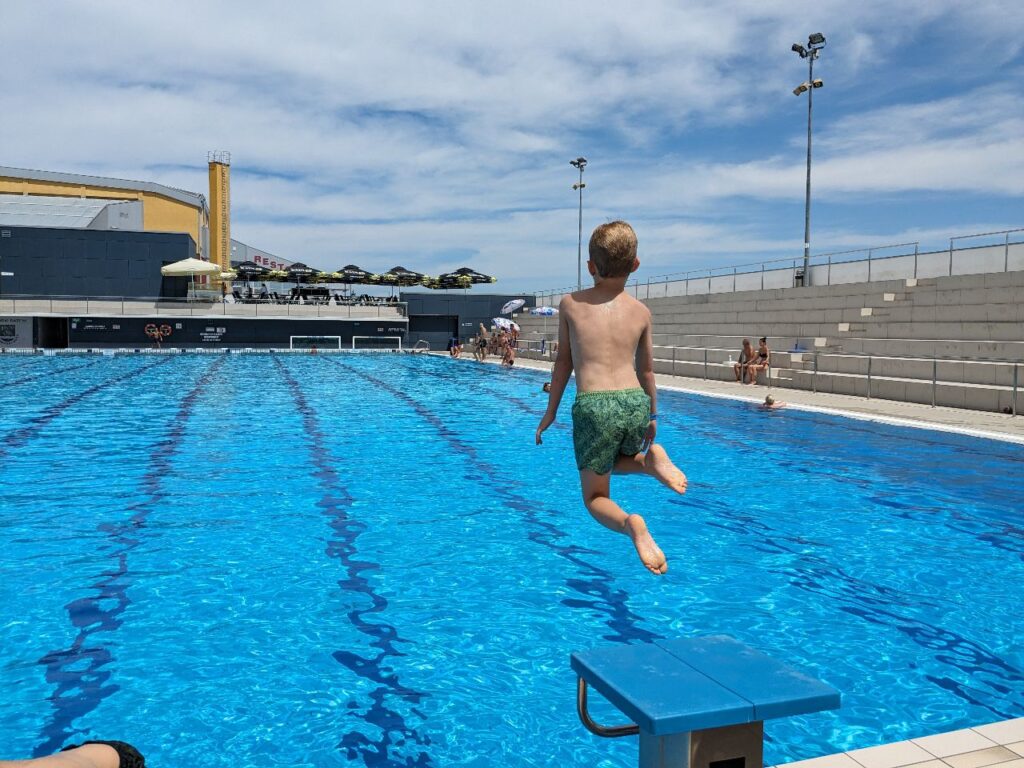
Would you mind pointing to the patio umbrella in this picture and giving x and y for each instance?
(505, 324)
(447, 281)
(298, 270)
(248, 270)
(402, 276)
(190, 268)
(476, 277)
(511, 306)
(353, 275)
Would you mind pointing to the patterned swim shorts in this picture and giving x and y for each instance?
(606, 425)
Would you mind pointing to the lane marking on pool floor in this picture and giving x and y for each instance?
(78, 671)
(601, 598)
(394, 731)
(22, 435)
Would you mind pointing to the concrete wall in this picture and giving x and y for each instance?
(83, 262)
(160, 213)
(125, 216)
(218, 331)
(468, 308)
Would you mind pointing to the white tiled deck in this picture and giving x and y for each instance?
(999, 744)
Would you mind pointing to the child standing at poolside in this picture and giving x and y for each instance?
(604, 334)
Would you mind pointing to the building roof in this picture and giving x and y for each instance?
(45, 211)
(189, 198)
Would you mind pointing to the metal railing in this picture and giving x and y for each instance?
(869, 370)
(20, 304)
(834, 268)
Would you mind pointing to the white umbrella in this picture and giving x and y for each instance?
(544, 311)
(190, 268)
(511, 306)
(505, 324)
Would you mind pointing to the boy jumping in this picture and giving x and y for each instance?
(604, 334)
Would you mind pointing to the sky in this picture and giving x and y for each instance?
(438, 135)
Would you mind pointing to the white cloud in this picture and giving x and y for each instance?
(392, 131)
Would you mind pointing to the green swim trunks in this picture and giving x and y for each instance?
(606, 425)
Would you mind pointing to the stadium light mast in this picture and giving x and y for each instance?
(815, 43)
(580, 163)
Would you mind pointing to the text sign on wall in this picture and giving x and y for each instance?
(16, 332)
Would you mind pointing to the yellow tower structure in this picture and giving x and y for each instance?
(220, 209)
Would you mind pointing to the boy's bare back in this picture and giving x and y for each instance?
(606, 332)
(605, 337)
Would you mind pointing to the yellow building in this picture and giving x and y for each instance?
(46, 198)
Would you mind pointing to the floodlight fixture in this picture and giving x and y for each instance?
(579, 163)
(815, 42)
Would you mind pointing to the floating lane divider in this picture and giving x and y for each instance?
(395, 732)
(22, 435)
(595, 588)
(80, 672)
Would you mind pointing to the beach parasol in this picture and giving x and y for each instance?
(511, 306)
(190, 268)
(548, 311)
(505, 324)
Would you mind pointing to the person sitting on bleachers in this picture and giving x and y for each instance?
(762, 360)
(741, 368)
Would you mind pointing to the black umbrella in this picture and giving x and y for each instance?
(474, 276)
(247, 270)
(402, 276)
(298, 270)
(449, 280)
(352, 275)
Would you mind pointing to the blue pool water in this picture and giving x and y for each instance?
(311, 560)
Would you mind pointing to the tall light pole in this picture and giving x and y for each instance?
(580, 163)
(815, 43)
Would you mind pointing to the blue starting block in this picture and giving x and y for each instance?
(696, 703)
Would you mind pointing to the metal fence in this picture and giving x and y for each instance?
(150, 307)
(1002, 375)
(895, 261)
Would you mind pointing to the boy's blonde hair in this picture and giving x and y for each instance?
(613, 249)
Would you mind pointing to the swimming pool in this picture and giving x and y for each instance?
(310, 560)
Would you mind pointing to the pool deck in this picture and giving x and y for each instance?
(999, 744)
(995, 426)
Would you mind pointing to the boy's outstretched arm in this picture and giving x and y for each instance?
(560, 372)
(645, 374)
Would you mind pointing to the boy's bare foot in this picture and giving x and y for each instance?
(661, 467)
(650, 555)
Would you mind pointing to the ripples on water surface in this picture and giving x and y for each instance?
(307, 561)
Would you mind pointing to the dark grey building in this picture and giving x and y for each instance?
(86, 262)
(436, 317)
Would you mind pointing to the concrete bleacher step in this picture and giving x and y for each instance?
(950, 394)
(958, 348)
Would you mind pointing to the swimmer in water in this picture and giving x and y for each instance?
(770, 403)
